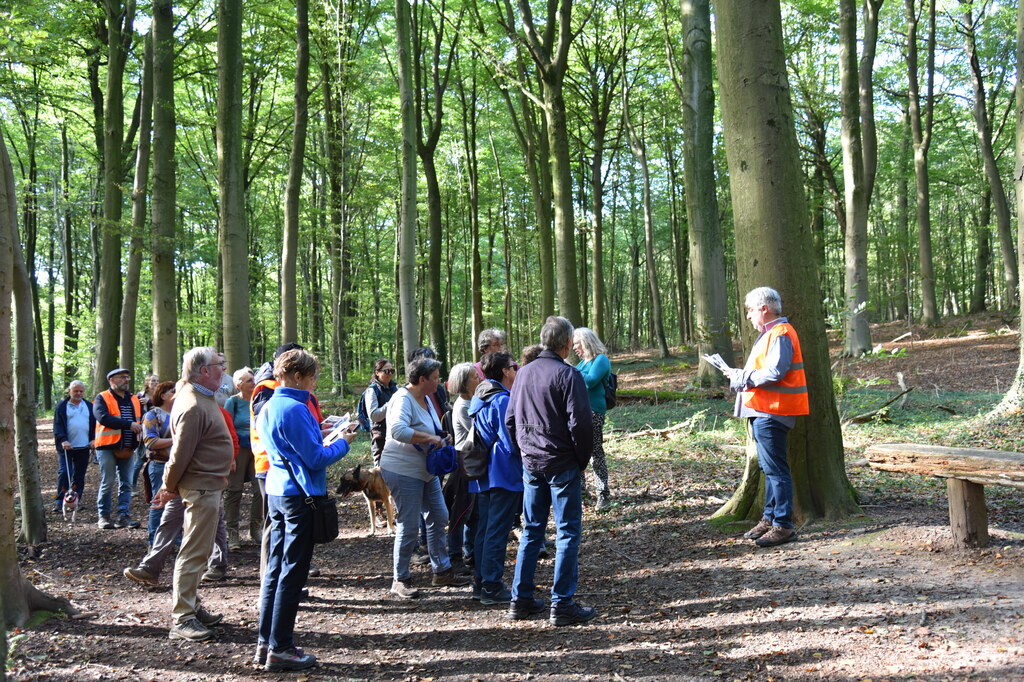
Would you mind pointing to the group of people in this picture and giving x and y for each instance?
(539, 419)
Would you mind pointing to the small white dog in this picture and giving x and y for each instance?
(71, 505)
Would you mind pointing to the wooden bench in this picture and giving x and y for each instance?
(967, 471)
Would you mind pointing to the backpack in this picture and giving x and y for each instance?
(475, 454)
(611, 384)
(364, 418)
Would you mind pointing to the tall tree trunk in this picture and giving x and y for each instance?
(995, 181)
(903, 307)
(68, 256)
(406, 266)
(467, 88)
(981, 263)
(234, 234)
(129, 308)
(293, 190)
(774, 246)
(921, 130)
(867, 97)
(120, 21)
(707, 259)
(858, 334)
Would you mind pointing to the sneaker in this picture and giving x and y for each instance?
(476, 588)
(104, 523)
(404, 589)
(521, 609)
(191, 630)
(125, 521)
(762, 527)
(140, 575)
(260, 658)
(570, 614)
(214, 574)
(604, 500)
(776, 536)
(234, 542)
(206, 618)
(420, 556)
(289, 659)
(449, 579)
(498, 596)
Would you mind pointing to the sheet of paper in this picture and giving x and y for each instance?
(341, 425)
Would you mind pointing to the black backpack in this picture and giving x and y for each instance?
(364, 418)
(611, 384)
(475, 455)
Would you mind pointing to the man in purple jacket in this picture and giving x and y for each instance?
(550, 420)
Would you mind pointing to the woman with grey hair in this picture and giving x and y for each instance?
(413, 427)
(595, 368)
(237, 406)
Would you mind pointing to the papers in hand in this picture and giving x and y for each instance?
(340, 426)
(717, 361)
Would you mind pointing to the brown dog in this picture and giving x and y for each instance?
(371, 484)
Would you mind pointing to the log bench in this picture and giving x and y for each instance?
(967, 471)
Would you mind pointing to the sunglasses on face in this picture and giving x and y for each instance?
(387, 371)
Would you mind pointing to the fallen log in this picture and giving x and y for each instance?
(868, 416)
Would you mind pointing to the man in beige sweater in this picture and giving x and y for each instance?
(200, 460)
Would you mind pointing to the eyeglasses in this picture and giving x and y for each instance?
(222, 365)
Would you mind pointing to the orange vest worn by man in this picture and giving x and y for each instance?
(118, 414)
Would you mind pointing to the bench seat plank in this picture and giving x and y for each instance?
(984, 467)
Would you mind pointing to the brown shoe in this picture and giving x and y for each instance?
(404, 589)
(449, 579)
(762, 527)
(776, 536)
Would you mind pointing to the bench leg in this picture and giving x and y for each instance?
(968, 516)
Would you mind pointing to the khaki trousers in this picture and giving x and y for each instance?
(202, 515)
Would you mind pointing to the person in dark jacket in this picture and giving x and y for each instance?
(73, 428)
(550, 421)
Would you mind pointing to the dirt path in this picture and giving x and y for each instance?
(883, 598)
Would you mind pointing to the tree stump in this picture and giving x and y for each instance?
(968, 516)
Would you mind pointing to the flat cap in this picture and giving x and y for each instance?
(115, 372)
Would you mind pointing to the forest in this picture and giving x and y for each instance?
(246, 173)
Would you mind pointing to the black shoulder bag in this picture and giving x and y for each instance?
(322, 508)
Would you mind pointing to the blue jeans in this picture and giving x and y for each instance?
(469, 529)
(288, 557)
(770, 438)
(415, 499)
(501, 512)
(560, 492)
(156, 479)
(114, 470)
(78, 459)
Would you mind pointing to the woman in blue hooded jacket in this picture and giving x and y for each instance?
(500, 496)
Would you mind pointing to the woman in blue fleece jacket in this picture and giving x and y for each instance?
(595, 368)
(500, 496)
(293, 441)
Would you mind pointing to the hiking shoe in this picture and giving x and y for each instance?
(420, 556)
(776, 536)
(104, 523)
(289, 659)
(570, 614)
(404, 589)
(140, 575)
(207, 618)
(191, 630)
(214, 574)
(521, 609)
(604, 500)
(234, 542)
(260, 658)
(476, 587)
(449, 579)
(125, 521)
(496, 596)
(762, 527)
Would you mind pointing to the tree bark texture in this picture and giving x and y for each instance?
(773, 240)
(234, 234)
(293, 190)
(407, 205)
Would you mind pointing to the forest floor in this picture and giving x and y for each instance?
(882, 596)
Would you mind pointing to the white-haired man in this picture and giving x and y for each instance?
(197, 470)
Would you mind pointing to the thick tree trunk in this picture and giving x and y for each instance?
(561, 194)
(858, 335)
(774, 245)
(707, 259)
(233, 235)
(120, 21)
(129, 308)
(867, 97)
(293, 190)
(407, 205)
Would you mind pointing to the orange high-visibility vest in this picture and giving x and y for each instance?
(788, 396)
(261, 462)
(105, 435)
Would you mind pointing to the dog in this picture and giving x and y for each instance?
(71, 505)
(371, 484)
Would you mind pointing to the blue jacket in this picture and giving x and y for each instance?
(488, 412)
(549, 416)
(594, 373)
(288, 429)
(60, 423)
